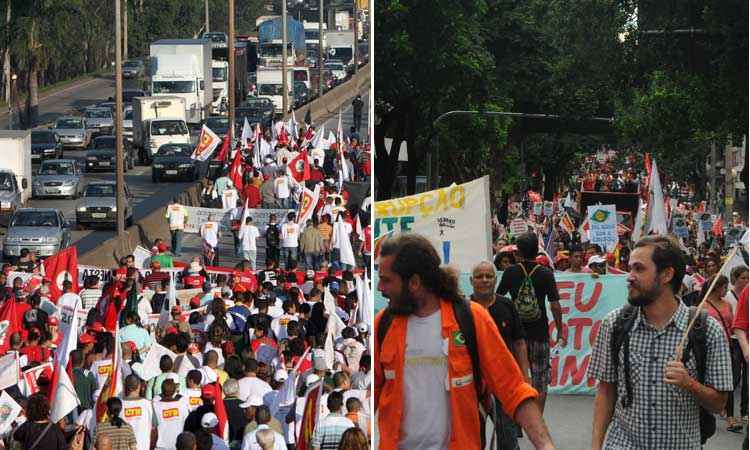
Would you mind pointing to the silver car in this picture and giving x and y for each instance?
(99, 205)
(99, 120)
(42, 230)
(72, 131)
(58, 178)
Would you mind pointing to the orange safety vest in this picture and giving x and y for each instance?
(500, 374)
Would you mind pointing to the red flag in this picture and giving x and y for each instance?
(222, 429)
(9, 324)
(235, 171)
(309, 416)
(60, 267)
(299, 167)
(717, 229)
(224, 151)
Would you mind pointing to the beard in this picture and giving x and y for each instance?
(644, 295)
(404, 304)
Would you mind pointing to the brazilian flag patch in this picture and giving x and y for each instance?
(600, 215)
(458, 338)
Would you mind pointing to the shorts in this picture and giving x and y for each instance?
(539, 364)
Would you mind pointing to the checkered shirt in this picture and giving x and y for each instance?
(661, 416)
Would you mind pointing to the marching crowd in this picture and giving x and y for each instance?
(271, 353)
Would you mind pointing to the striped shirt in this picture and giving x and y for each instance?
(328, 432)
(122, 437)
(90, 297)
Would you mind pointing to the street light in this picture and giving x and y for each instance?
(434, 177)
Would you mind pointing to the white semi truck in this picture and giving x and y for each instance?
(183, 68)
(270, 83)
(340, 46)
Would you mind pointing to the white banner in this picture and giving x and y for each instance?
(456, 220)
(603, 226)
(197, 216)
(9, 370)
(150, 367)
(9, 410)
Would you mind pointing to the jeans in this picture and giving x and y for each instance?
(176, 242)
(250, 255)
(288, 254)
(312, 261)
(284, 203)
(336, 261)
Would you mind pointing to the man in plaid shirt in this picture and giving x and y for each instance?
(666, 395)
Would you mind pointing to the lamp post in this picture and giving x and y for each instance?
(119, 153)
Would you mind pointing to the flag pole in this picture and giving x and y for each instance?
(685, 334)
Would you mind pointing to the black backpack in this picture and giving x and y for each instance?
(697, 344)
(465, 319)
(273, 235)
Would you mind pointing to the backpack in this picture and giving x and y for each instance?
(273, 235)
(525, 301)
(697, 344)
(465, 319)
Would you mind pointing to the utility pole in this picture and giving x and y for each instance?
(712, 181)
(125, 32)
(355, 12)
(119, 154)
(320, 48)
(232, 71)
(284, 80)
(728, 182)
(205, 8)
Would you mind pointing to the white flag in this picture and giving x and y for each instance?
(318, 139)
(9, 370)
(257, 157)
(10, 409)
(635, 236)
(64, 399)
(343, 243)
(656, 219)
(150, 367)
(344, 166)
(247, 133)
(334, 327)
(329, 302)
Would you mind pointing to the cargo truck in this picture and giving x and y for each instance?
(340, 46)
(183, 68)
(270, 83)
(15, 172)
(158, 121)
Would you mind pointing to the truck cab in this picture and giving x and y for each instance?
(220, 76)
(164, 130)
(270, 86)
(11, 197)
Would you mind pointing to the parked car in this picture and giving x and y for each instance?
(102, 154)
(173, 161)
(133, 68)
(45, 145)
(42, 230)
(99, 205)
(72, 131)
(219, 125)
(58, 178)
(99, 120)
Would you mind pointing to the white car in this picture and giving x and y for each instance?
(338, 69)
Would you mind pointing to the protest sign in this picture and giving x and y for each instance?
(104, 274)
(706, 222)
(197, 216)
(549, 208)
(9, 410)
(9, 370)
(31, 375)
(585, 301)
(456, 219)
(679, 226)
(537, 208)
(603, 226)
(518, 226)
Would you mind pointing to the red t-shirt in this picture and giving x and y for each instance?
(35, 353)
(252, 194)
(193, 281)
(740, 316)
(246, 279)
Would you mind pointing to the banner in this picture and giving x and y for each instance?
(603, 226)
(197, 216)
(585, 302)
(456, 220)
(549, 208)
(30, 377)
(537, 208)
(9, 411)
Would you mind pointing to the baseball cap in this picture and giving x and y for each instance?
(363, 327)
(596, 259)
(280, 375)
(87, 339)
(162, 247)
(209, 420)
(207, 392)
(311, 379)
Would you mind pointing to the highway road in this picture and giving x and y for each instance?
(147, 196)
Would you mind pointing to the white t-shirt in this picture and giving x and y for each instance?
(140, 415)
(170, 421)
(194, 399)
(279, 325)
(101, 370)
(250, 442)
(426, 419)
(252, 386)
(176, 215)
(281, 186)
(248, 234)
(210, 233)
(290, 235)
(229, 198)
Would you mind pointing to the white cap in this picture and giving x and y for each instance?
(363, 327)
(280, 375)
(209, 420)
(312, 379)
(596, 259)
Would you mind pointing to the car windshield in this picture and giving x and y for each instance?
(219, 73)
(35, 219)
(168, 128)
(42, 138)
(100, 190)
(6, 182)
(270, 89)
(69, 123)
(173, 87)
(99, 114)
(108, 142)
(217, 124)
(57, 168)
(132, 64)
(174, 150)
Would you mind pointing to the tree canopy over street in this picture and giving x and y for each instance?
(671, 75)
